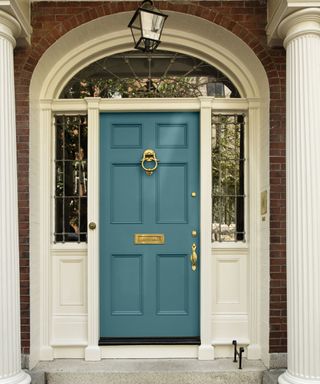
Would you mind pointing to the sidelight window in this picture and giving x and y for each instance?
(228, 172)
(71, 178)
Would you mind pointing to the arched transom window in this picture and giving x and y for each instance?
(160, 74)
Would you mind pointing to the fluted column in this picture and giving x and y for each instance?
(10, 352)
(301, 32)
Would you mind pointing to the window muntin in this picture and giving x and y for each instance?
(71, 178)
(159, 74)
(228, 172)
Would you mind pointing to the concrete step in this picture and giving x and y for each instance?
(147, 371)
(271, 376)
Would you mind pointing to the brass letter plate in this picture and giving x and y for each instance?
(148, 238)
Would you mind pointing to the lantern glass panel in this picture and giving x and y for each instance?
(151, 25)
(135, 21)
(136, 34)
(147, 45)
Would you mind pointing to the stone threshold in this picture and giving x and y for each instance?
(148, 371)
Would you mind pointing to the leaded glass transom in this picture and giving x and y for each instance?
(159, 74)
(228, 169)
(71, 178)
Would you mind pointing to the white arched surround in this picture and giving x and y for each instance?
(78, 48)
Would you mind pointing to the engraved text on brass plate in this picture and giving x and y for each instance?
(149, 238)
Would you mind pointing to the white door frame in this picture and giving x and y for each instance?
(94, 106)
(93, 351)
(58, 64)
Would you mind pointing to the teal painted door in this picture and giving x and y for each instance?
(149, 291)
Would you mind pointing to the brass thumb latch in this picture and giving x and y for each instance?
(149, 156)
(194, 257)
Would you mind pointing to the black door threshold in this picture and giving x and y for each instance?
(149, 341)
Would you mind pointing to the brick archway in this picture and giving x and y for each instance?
(52, 20)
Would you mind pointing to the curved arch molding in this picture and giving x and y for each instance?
(188, 34)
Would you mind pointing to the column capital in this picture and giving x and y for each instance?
(303, 22)
(9, 27)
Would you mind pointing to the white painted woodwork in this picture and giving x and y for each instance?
(206, 350)
(76, 49)
(224, 275)
(280, 9)
(301, 32)
(130, 105)
(10, 350)
(230, 287)
(68, 282)
(21, 11)
(229, 315)
(69, 324)
(45, 230)
(262, 279)
(150, 352)
(92, 352)
(108, 35)
(253, 189)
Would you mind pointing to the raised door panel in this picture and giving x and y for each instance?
(126, 136)
(171, 196)
(126, 194)
(172, 136)
(172, 284)
(126, 285)
(69, 284)
(69, 300)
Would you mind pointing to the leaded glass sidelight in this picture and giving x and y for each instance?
(228, 171)
(71, 178)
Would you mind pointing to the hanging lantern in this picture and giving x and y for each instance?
(146, 26)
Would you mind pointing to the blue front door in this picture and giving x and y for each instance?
(148, 290)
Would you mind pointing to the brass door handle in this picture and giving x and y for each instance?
(149, 156)
(194, 257)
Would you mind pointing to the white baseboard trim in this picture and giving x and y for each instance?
(149, 352)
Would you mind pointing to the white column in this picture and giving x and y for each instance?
(10, 352)
(301, 31)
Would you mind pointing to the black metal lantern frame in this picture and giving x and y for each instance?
(146, 27)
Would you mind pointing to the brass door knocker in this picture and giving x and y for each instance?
(149, 156)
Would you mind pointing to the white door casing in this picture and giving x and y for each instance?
(74, 332)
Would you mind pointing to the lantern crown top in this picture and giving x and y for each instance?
(146, 26)
(147, 4)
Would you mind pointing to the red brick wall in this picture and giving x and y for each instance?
(246, 19)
